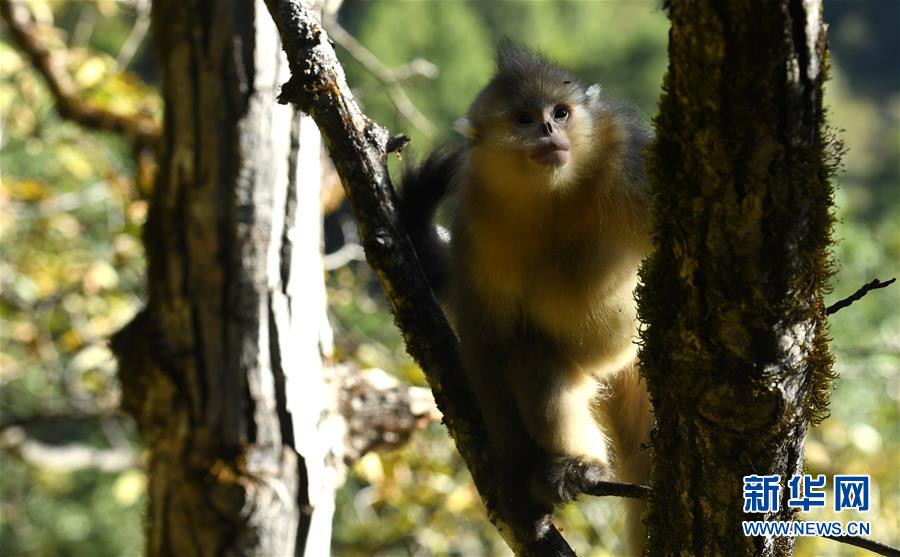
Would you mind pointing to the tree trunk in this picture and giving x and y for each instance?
(223, 369)
(735, 349)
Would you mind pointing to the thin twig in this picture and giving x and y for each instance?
(69, 103)
(390, 79)
(865, 543)
(84, 26)
(67, 458)
(136, 35)
(841, 304)
(633, 491)
(617, 489)
(352, 250)
(343, 256)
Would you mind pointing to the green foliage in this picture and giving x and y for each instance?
(83, 513)
(72, 272)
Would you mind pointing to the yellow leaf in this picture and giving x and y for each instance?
(51, 480)
(67, 225)
(370, 468)
(9, 367)
(126, 246)
(27, 190)
(72, 339)
(74, 162)
(92, 357)
(129, 487)
(92, 72)
(137, 211)
(24, 331)
(10, 60)
(460, 499)
(100, 276)
(107, 8)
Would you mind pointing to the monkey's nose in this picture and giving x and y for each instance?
(548, 128)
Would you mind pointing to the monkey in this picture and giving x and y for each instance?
(549, 222)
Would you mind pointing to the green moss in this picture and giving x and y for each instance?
(734, 347)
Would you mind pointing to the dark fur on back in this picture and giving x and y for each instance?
(424, 187)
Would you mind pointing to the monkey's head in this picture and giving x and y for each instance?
(532, 123)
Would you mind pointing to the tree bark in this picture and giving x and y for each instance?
(223, 369)
(735, 347)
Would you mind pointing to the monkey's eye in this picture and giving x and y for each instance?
(524, 119)
(560, 113)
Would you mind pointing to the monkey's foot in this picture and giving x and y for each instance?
(560, 479)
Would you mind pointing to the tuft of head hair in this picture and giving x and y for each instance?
(528, 76)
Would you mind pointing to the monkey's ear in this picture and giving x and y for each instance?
(593, 95)
(465, 128)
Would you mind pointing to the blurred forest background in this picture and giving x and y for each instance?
(72, 268)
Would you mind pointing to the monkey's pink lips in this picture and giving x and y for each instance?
(551, 154)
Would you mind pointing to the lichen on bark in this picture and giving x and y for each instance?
(735, 347)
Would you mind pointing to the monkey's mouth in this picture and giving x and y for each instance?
(553, 153)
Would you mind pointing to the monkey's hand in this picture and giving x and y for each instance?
(559, 479)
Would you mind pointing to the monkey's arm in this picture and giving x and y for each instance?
(554, 398)
(424, 187)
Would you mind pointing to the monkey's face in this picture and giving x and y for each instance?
(545, 132)
(540, 143)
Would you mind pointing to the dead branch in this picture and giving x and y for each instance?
(136, 35)
(70, 104)
(67, 458)
(864, 543)
(865, 289)
(616, 489)
(391, 79)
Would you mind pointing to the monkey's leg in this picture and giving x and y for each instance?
(554, 398)
(483, 361)
(511, 446)
(628, 416)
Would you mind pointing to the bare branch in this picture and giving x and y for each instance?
(864, 543)
(343, 256)
(390, 79)
(67, 458)
(21, 25)
(84, 26)
(350, 251)
(617, 489)
(136, 35)
(865, 289)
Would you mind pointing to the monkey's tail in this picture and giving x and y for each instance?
(424, 186)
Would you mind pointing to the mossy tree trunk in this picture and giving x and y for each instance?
(735, 349)
(223, 369)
